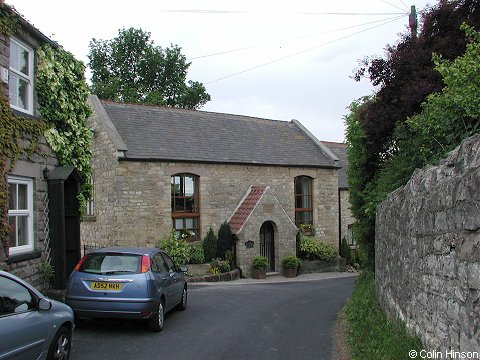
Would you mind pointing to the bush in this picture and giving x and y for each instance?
(260, 262)
(290, 262)
(311, 249)
(346, 252)
(210, 245)
(224, 240)
(179, 250)
(196, 254)
(222, 265)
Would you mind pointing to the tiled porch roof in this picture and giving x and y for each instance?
(246, 207)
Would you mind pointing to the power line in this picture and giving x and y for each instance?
(303, 51)
(291, 39)
(209, 11)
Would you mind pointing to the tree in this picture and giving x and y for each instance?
(210, 245)
(130, 68)
(404, 126)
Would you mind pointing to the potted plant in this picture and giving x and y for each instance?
(259, 265)
(290, 265)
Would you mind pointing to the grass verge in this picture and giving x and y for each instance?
(371, 335)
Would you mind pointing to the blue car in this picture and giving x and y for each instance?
(127, 283)
(32, 326)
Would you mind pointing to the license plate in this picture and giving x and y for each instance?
(105, 286)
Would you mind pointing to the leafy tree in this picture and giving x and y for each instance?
(446, 118)
(130, 68)
(406, 76)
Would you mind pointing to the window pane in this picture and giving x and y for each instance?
(22, 230)
(179, 205)
(306, 185)
(178, 223)
(13, 88)
(18, 91)
(189, 186)
(24, 60)
(14, 55)
(189, 223)
(189, 204)
(22, 197)
(12, 196)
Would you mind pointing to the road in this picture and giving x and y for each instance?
(288, 320)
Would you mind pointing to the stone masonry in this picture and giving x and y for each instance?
(428, 252)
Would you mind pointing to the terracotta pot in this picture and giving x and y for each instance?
(259, 274)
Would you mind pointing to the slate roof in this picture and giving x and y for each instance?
(245, 208)
(170, 134)
(340, 150)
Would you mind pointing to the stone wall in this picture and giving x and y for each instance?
(428, 252)
(346, 217)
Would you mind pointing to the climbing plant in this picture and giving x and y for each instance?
(62, 96)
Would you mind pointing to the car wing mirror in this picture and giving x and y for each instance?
(183, 269)
(44, 304)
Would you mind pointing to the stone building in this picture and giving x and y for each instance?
(161, 168)
(30, 207)
(346, 218)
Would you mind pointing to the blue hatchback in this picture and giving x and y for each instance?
(127, 283)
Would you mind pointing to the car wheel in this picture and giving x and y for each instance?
(183, 303)
(61, 345)
(156, 322)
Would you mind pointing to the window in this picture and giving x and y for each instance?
(20, 215)
(303, 200)
(20, 79)
(90, 210)
(185, 206)
(14, 298)
(350, 236)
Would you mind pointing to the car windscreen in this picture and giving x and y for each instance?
(111, 263)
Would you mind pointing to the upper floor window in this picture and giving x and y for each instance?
(90, 210)
(20, 215)
(303, 200)
(20, 79)
(185, 206)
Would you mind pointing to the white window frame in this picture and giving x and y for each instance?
(28, 78)
(13, 250)
(90, 210)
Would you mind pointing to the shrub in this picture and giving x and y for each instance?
(196, 254)
(290, 262)
(179, 250)
(346, 252)
(260, 262)
(210, 245)
(214, 271)
(311, 249)
(224, 240)
(222, 265)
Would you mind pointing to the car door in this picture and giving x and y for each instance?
(24, 329)
(177, 280)
(163, 281)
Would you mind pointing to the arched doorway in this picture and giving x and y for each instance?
(267, 241)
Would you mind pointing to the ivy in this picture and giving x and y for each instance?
(8, 21)
(62, 95)
(19, 138)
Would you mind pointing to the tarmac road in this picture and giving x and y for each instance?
(277, 318)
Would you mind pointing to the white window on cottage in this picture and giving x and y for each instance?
(20, 79)
(20, 215)
(90, 210)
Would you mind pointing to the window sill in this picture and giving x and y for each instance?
(23, 257)
(89, 218)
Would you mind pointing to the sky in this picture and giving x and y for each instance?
(272, 59)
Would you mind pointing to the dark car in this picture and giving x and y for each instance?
(32, 326)
(127, 283)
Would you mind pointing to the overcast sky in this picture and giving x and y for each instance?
(274, 59)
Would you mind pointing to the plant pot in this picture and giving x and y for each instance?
(259, 274)
(290, 273)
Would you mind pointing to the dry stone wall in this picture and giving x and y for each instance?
(428, 252)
